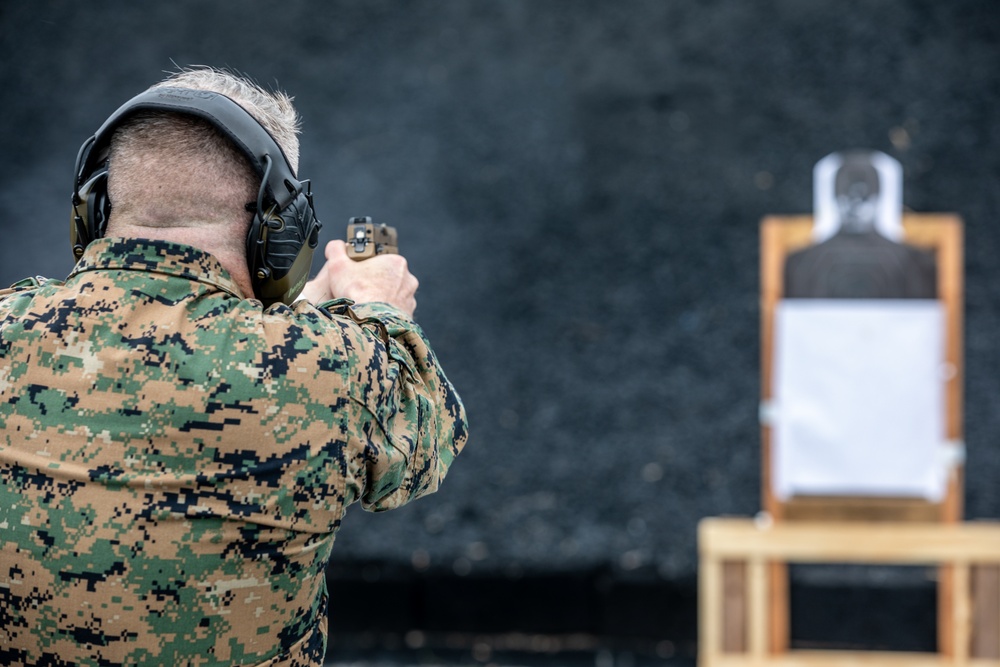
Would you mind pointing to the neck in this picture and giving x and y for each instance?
(226, 246)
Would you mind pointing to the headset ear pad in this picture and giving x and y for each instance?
(280, 249)
(90, 212)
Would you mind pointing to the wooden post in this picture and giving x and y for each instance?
(734, 607)
(985, 585)
(710, 608)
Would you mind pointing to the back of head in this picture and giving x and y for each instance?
(181, 162)
(169, 171)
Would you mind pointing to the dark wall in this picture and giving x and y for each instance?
(578, 185)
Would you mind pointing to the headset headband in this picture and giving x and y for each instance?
(253, 140)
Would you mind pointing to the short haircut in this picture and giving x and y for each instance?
(173, 166)
(273, 110)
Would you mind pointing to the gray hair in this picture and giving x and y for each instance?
(273, 110)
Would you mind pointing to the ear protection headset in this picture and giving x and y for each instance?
(284, 231)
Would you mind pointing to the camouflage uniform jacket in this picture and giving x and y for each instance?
(175, 460)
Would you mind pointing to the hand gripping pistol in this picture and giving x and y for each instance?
(366, 239)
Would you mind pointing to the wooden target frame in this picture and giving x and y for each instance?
(942, 235)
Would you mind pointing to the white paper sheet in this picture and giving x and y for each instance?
(859, 398)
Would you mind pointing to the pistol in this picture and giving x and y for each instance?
(366, 239)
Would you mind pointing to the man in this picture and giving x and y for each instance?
(175, 458)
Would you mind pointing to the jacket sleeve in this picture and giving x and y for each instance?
(407, 422)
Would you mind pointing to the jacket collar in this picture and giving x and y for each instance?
(152, 256)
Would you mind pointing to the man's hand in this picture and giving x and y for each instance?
(384, 278)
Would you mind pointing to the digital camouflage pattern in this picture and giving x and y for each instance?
(175, 461)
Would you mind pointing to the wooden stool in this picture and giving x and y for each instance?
(734, 618)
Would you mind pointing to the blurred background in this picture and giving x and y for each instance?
(578, 185)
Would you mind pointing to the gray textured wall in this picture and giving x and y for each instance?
(578, 185)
